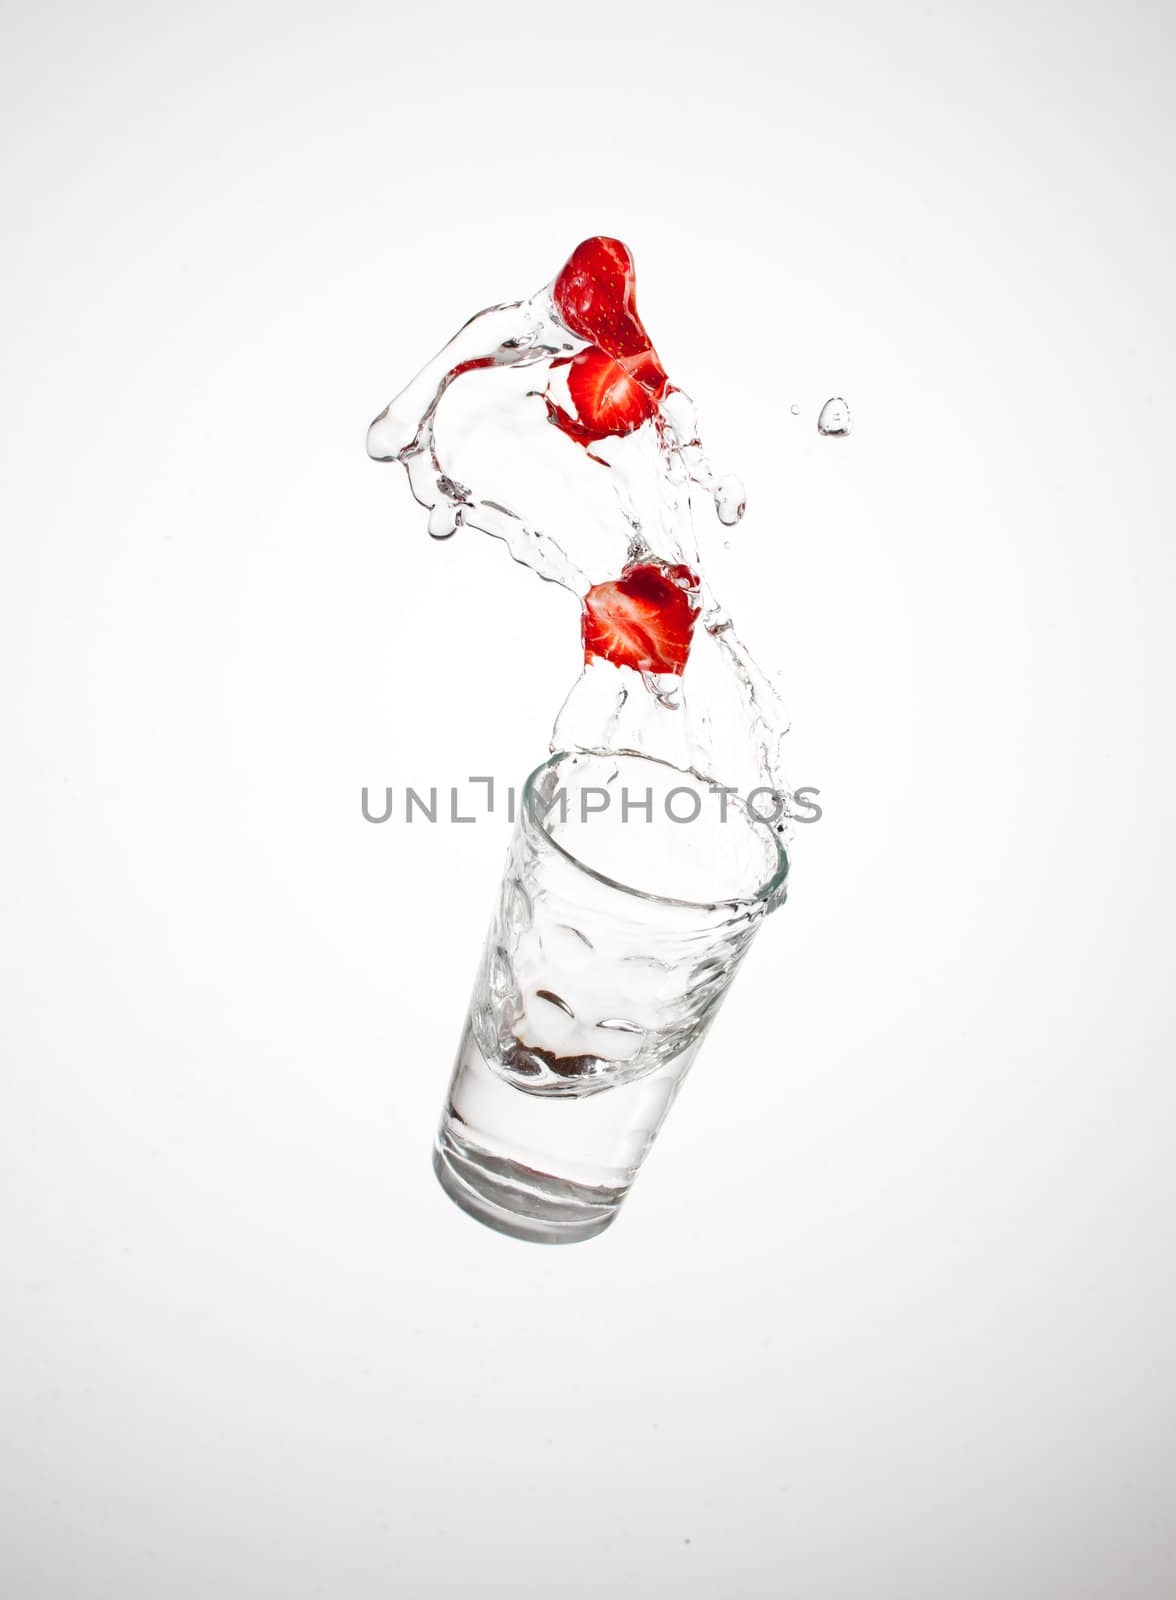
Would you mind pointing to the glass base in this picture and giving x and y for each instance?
(518, 1200)
(549, 1168)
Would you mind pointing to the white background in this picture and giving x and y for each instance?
(890, 1312)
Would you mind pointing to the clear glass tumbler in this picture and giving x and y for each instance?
(631, 893)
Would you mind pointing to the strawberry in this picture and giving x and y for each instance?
(644, 620)
(595, 295)
(606, 398)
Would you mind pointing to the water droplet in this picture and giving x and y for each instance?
(565, 947)
(502, 978)
(795, 410)
(834, 419)
(626, 1039)
(517, 910)
(730, 500)
(555, 1000)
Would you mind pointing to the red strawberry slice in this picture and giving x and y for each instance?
(606, 398)
(596, 297)
(644, 620)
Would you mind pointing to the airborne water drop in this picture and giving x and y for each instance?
(834, 420)
(730, 500)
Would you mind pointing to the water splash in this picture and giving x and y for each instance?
(566, 440)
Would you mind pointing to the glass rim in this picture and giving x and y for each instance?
(770, 893)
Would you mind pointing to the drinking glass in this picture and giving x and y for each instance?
(631, 893)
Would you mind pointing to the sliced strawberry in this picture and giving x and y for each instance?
(643, 619)
(606, 398)
(596, 297)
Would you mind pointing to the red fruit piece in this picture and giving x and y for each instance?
(595, 294)
(643, 619)
(606, 398)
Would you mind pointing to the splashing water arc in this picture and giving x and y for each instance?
(566, 390)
